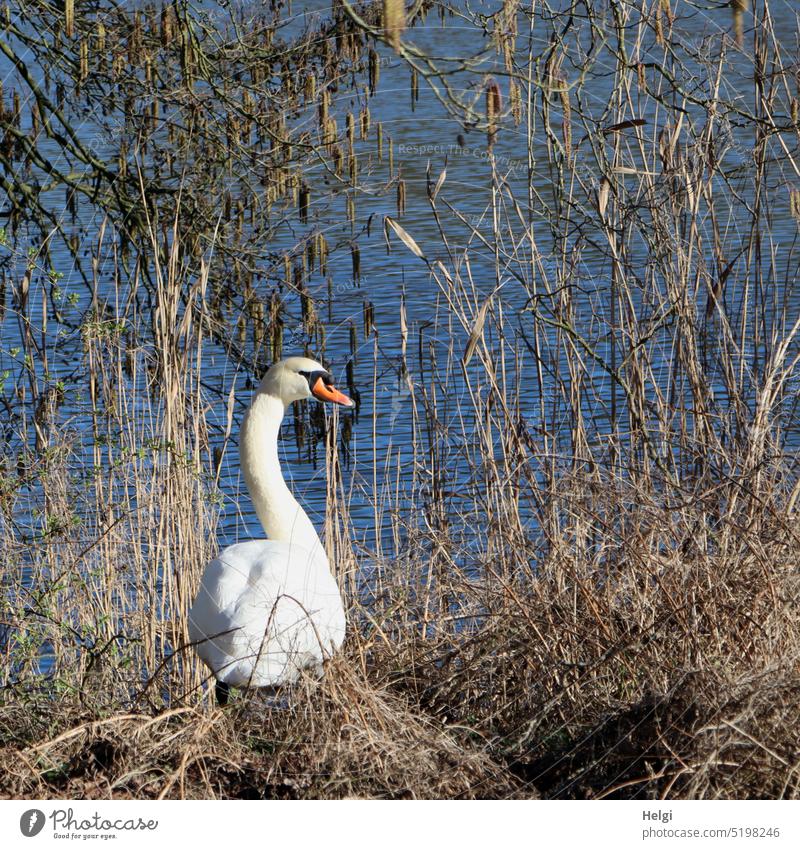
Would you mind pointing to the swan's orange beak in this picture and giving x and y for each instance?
(326, 392)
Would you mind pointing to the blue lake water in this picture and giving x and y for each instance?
(423, 137)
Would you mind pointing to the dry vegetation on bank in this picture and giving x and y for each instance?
(593, 596)
(632, 673)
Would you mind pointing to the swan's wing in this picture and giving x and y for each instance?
(266, 609)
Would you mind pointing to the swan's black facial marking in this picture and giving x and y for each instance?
(313, 376)
(320, 384)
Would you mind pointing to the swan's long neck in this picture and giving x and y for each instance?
(280, 514)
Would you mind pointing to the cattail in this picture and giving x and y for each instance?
(311, 254)
(307, 311)
(249, 108)
(250, 298)
(368, 312)
(494, 104)
(394, 21)
(515, 102)
(356, 42)
(353, 340)
(795, 111)
(379, 141)
(353, 169)
(794, 204)
(84, 61)
(135, 40)
(310, 88)
(567, 120)
(351, 208)
(276, 327)
(167, 25)
(401, 198)
(364, 123)
(391, 157)
(659, 27)
(338, 160)
(327, 58)
(323, 109)
(374, 71)
(505, 32)
(414, 88)
(287, 269)
(319, 332)
(331, 132)
(187, 60)
(303, 199)
(239, 219)
(298, 279)
(355, 257)
(69, 18)
(117, 65)
(101, 37)
(322, 253)
(350, 129)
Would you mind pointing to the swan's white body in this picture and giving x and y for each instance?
(267, 609)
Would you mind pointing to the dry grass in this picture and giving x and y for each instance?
(341, 738)
(651, 669)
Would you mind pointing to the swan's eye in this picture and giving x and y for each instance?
(313, 376)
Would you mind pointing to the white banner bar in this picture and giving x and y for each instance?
(400, 825)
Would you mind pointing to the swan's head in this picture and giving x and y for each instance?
(297, 378)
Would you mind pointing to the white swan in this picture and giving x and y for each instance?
(268, 608)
